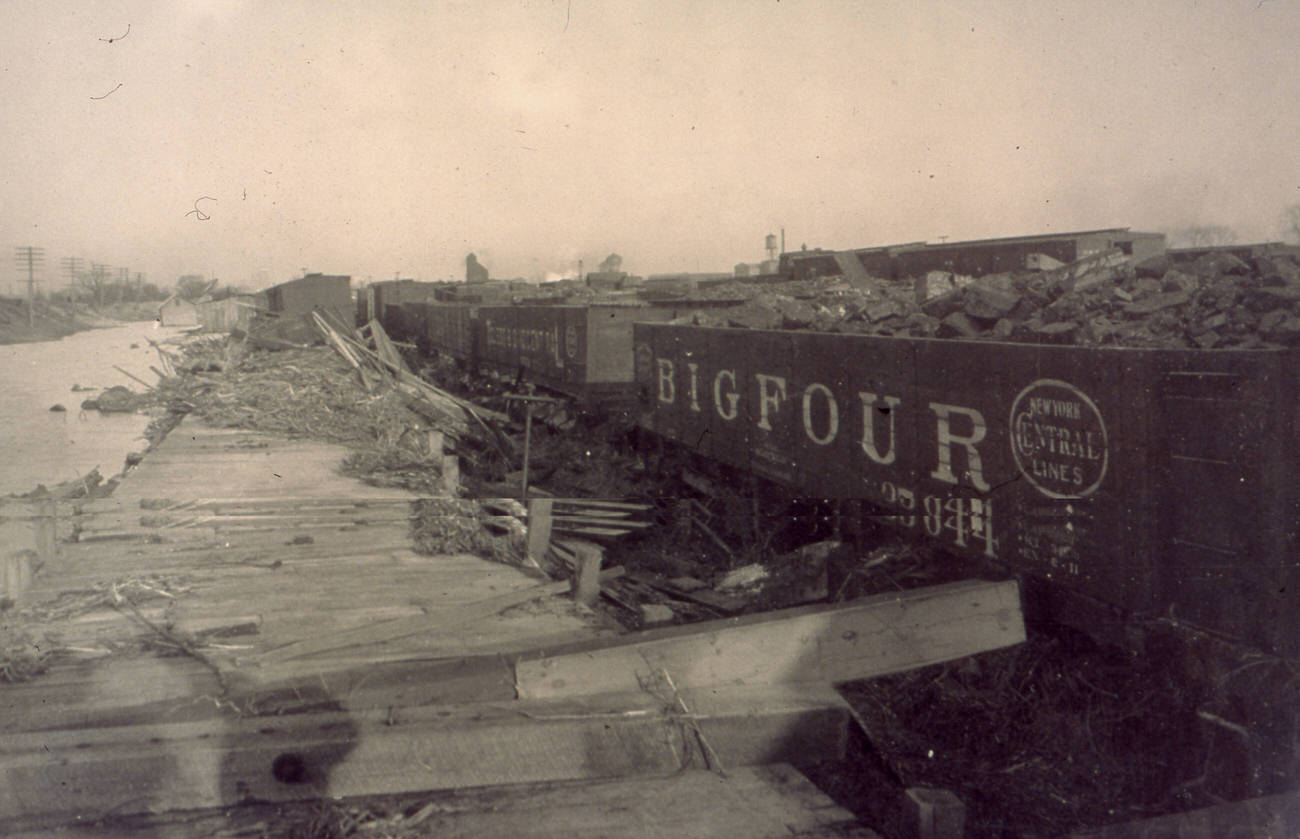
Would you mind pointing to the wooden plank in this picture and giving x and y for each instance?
(868, 637)
(373, 685)
(384, 345)
(256, 503)
(112, 690)
(587, 530)
(539, 528)
(767, 802)
(158, 768)
(630, 506)
(586, 572)
(401, 627)
(614, 523)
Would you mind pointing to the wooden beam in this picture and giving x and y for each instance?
(539, 528)
(760, 802)
(586, 572)
(868, 637)
(159, 768)
(402, 627)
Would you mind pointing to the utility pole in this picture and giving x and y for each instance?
(71, 270)
(31, 257)
(99, 279)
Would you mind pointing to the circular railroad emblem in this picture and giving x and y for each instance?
(571, 341)
(1058, 439)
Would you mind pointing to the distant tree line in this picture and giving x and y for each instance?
(1210, 235)
(99, 287)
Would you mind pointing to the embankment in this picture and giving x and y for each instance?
(51, 321)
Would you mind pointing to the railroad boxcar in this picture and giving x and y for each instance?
(585, 351)
(1163, 482)
(386, 302)
(450, 329)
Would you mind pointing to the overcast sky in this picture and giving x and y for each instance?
(371, 138)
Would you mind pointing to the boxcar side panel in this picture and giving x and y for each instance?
(450, 329)
(547, 342)
(1070, 463)
(1227, 477)
(609, 341)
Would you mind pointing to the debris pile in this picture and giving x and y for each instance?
(297, 393)
(443, 526)
(90, 485)
(1217, 301)
(116, 399)
(28, 648)
(1057, 733)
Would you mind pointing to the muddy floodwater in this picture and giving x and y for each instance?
(41, 446)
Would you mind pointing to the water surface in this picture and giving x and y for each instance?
(38, 446)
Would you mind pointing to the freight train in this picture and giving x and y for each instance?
(1157, 482)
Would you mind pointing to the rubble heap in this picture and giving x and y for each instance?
(1218, 301)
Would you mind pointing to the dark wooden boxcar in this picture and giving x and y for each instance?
(450, 329)
(386, 302)
(582, 350)
(1163, 482)
(315, 291)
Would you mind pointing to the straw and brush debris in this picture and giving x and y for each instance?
(359, 397)
(445, 526)
(30, 636)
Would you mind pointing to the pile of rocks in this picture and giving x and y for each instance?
(1216, 301)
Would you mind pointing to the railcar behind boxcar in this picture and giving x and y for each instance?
(1163, 482)
(450, 328)
(585, 351)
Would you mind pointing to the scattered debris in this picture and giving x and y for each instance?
(1217, 301)
(655, 614)
(746, 576)
(116, 399)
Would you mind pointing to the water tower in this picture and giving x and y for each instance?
(770, 244)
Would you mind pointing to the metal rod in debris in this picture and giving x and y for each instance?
(528, 401)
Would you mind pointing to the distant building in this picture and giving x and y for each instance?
(766, 268)
(1251, 251)
(332, 292)
(226, 310)
(996, 256)
(976, 257)
(474, 272)
(177, 311)
(604, 279)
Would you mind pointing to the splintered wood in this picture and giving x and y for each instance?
(383, 367)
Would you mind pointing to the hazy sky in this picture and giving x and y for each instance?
(377, 137)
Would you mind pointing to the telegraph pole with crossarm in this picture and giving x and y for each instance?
(30, 257)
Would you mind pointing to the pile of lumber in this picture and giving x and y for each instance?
(380, 366)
